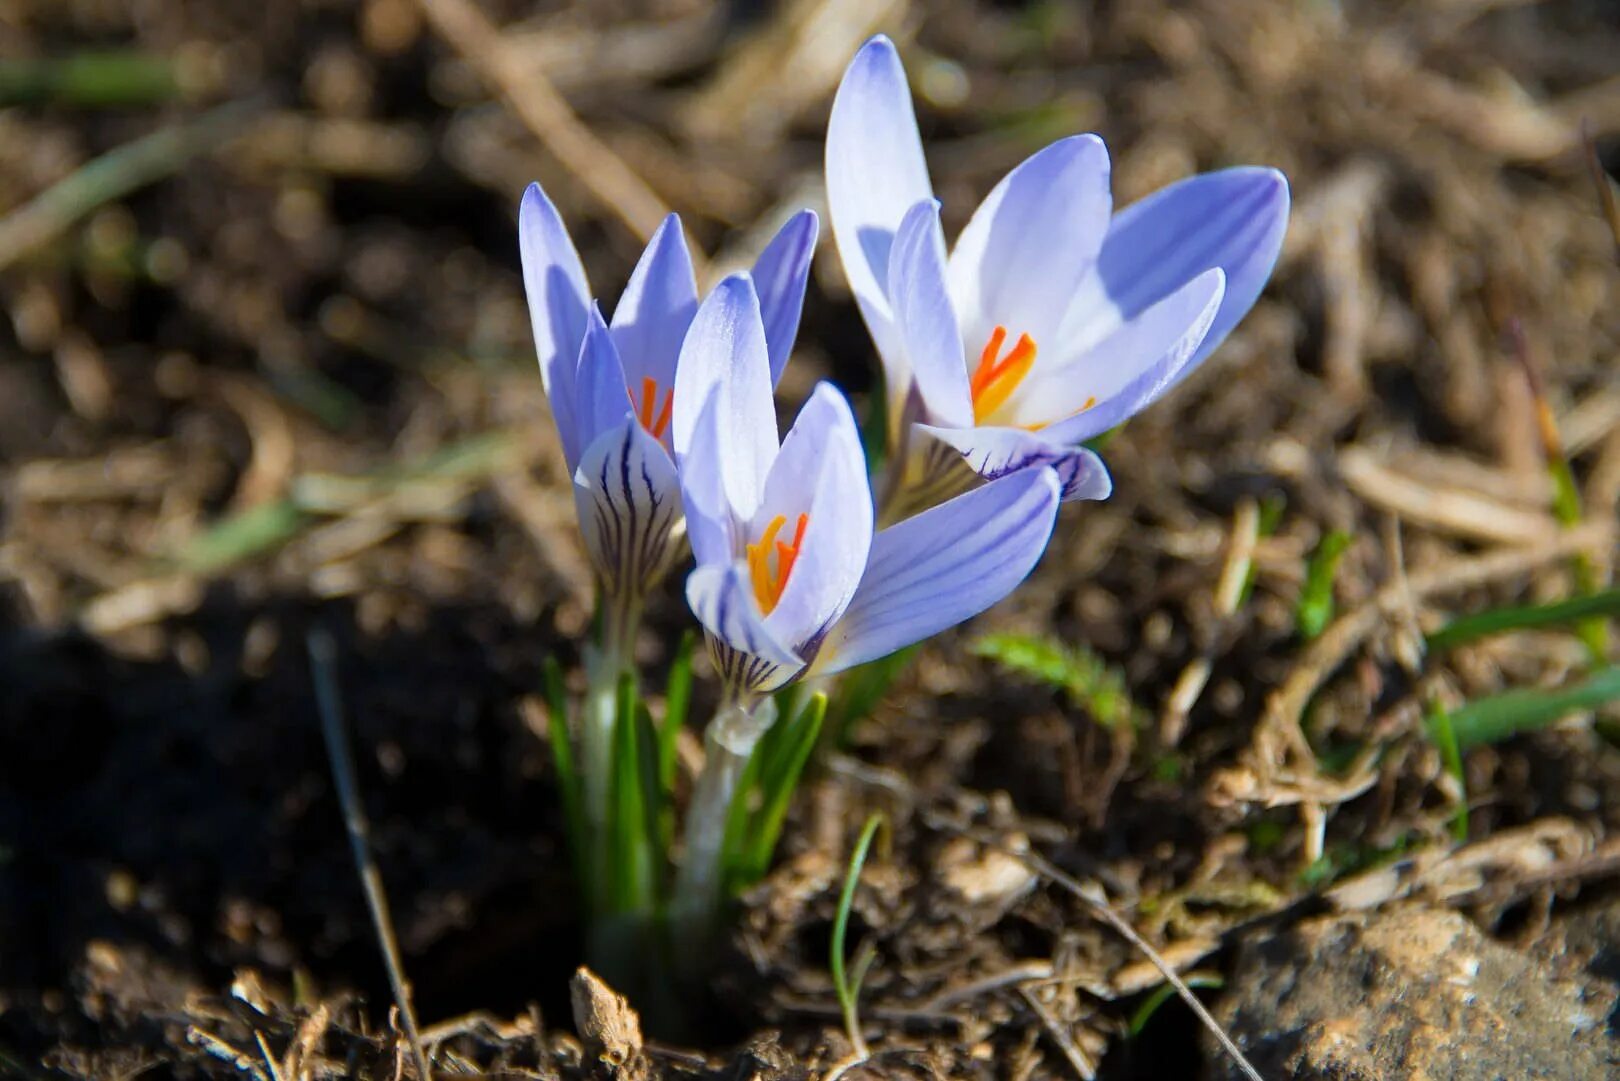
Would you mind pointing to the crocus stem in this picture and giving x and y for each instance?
(604, 667)
(728, 741)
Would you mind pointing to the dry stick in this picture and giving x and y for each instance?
(1605, 189)
(114, 175)
(547, 114)
(1098, 906)
(1071, 1050)
(322, 656)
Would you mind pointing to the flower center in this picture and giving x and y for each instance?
(770, 577)
(655, 423)
(998, 376)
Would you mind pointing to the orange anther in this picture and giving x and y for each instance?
(769, 581)
(995, 379)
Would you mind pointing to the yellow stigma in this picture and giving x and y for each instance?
(770, 577)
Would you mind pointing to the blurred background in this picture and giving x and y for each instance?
(265, 364)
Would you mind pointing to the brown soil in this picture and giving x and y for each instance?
(327, 289)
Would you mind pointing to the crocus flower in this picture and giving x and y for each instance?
(612, 385)
(1054, 319)
(790, 576)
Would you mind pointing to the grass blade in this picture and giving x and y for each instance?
(847, 989)
(1089, 682)
(1445, 737)
(1315, 608)
(677, 703)
(562, 757)
(628, 855)
(1465, 629)
(1512, 713)
(779, 779)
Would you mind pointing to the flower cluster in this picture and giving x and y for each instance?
(1052, 320)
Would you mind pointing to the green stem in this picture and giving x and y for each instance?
(728, 741)
(604, 667)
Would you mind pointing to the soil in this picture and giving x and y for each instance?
(281, 380)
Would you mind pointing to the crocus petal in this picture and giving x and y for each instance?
(820, 472)
(780, 275)
(747, 654)
(1032, 242)
(601, 402)
(1127, 371)
(725, 350)
(996, 452)
(712, 526)
(875, 173)
(554, 282)
(629, 504)
(927, 332)
(943, 566)
(1233, 219)
(656, 308)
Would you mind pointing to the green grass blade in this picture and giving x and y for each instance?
(628, 854)
(860, 689)
(1088, 681)
(1315, 608)
(734, 848)
(677, 703)
(660, 821)
(846, 989)
(778, 781)
(1465, 629)
(1512, 713)
(562, 757)
(241, 536)
(1162, 994)
(1444, 734)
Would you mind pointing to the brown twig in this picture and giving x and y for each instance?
(545, 112)
(1605, 189)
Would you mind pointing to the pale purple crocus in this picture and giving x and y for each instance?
(791, 578)
(612, 384)
(1054, 319)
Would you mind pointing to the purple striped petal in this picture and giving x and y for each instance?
(656, 308)
(821, 473)
(554, 282)
(1130, 369)
(1233, 219)
(725, 351)
(875, 173)
(629, 502)
(748, 656)
(943, 566)
(780, 276)
(928, 338)
(997, 452)
(1032, 242)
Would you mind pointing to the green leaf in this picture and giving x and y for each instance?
(629, 853)
(241, 536)
(1315, 608)
(1089, 682)
(677, 702)
(846, 988)
(1470, 628)
(859, 690)
(1444, 734)
(660, 825)
(562, 757)
(1162, 994)
(778, 779)
(1529, 709)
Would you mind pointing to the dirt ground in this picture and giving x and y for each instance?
(268, 370)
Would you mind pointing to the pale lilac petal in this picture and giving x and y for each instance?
(927, 331)
(712, 526)
(1031, 243)
(943, 566)
(601, 401)
(1233, 219)
(996, 452)
(875, 173)
(629, 504)
(655, 309)
(747, 655)
(725, 350)
(821, 473)
(1130, 369)
(554, 282)
(780, 275)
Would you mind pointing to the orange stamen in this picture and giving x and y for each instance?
(994, 380)
(1037, 426)
(649, 400)
(769, 581)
